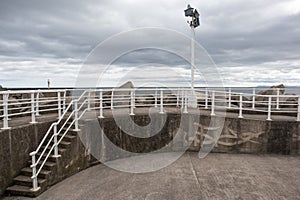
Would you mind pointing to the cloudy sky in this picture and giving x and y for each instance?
(251, 42)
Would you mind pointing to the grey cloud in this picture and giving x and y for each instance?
(61, 34)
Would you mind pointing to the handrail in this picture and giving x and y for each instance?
(132, 98)
(21, 103)
(33, 154)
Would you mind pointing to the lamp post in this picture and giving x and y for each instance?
(193, 13)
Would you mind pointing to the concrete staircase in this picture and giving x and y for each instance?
(22, 184)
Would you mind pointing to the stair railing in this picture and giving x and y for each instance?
(53, 127)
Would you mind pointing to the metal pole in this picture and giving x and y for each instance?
(37, 113)
(192, 55)
(206, 98)
(298, 115)
(132, 102)
(59, 104)
(178, 93)
(161, 102)
(185, 102)
(229, 98)
(55, 142)
(269, 108)
(241, 106)
(182, 98)
(76, 116)
(277, 99)
(32, 109)
(253, 99)
(101, 104)
(5, 111)
(155, 98)
(213, 104)
(64, 100)
(112, 100)
(34, 176)
(89, 101)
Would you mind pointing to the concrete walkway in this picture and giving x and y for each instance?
(218, 176)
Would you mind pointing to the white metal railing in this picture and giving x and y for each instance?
(30, 103)
(108, 99)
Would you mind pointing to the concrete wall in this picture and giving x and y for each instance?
(15, 146)
(238, 136)
(256, 136)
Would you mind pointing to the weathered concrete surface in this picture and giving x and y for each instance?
(218, 176)
(248, 135)
(15, 146)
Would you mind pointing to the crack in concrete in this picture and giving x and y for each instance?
(194, 171)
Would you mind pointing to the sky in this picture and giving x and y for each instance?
(251, 43)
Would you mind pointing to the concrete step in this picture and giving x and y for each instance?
(50, 158)
(60, 149)
(27, 171)
(71, 131)
(48, 165)
(64, 144)
(19, 190)
(27, 181)
(68, 137)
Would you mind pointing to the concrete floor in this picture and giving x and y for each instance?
(218, 176)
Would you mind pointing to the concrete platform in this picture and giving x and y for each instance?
(218, 176)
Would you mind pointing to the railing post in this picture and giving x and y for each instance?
(155, 98)
(177, 98)
(161, 102)
(112, 100)
(269, 108)
(34, 176)
(241, 106)
(5, 111)
(206, 98)
(32, 109)
(59, 104)
(185, 102)
(64, 100)
(89, 101)
(213, 104)
(182, 98)
(37, 113)
(76, 115)
(55, 142)
(277, 99)
(229, 98)
(132, 99)
(298, 114)
(253, 98)
(101, 104)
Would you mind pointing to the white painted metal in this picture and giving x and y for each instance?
(213, 104)
(101, 104)
(277, 98)
(161, 102)
(32, 109)
(269, 108)
(229, 98)
(59, 104)
(132, 99)
(185, 102)
(253, 98)
(298, 113)
(192, 57)
(241, 106)
(206, 98)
